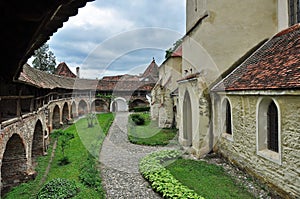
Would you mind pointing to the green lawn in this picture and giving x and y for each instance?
(208, 180)
(149, 133)
(87, 140)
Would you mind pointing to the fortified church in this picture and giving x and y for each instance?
(232, 87)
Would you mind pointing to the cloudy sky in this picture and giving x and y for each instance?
(121, 36)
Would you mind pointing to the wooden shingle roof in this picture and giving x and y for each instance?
(41, 79)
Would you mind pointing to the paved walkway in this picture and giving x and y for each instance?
(119, 159)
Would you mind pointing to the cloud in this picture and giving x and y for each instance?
(118, 35)
(91, 17)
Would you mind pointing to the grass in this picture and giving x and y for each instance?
(78, 151)
(149, 133)
(208, 180)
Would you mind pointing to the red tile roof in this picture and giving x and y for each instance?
(276, 65)
(41, 79)
(123, 77)
(177, 52)
(151, 71)
(63, 70)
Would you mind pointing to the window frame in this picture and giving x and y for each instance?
(224, 121)
(262, 130)
(293, 12)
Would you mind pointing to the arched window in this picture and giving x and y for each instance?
(268, 129)
(272, 126)
(228, 118)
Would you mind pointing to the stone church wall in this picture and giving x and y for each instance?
(241, 149)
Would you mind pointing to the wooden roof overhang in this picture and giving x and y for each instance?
(27, 25)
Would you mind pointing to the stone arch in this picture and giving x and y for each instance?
(82, 108)
(187, 119)
(65, 112)
(14, 167)
(73, 109)
(114, 107)
(263, 129)
(99, 105)
(119, 104)
(227, 117)
(138, 103)
(38, 140)
(56, 117)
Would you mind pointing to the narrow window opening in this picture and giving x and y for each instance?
(272, 138)
(294, 12)
(228, 119)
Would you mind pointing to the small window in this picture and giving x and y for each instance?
(268, 130)
(228, 118)
(272, 127)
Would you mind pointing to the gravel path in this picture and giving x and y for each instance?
(119, 163)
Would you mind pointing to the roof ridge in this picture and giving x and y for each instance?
(287, 30)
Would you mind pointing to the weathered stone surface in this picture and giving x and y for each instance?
(119, 163)
(283, 174)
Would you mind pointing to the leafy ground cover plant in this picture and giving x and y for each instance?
(161, 180)
(58, 188)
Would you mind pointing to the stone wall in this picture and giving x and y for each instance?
(200, 116)
(162, 99)
(282, 174)
(17, 163)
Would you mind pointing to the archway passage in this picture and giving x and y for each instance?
(118, 105)
(56, 117)
(114, 107)
(14, 167)
(38, 141)
(99, 106)
(138, 103)
(187, 119)
(65, 113)
(82, 108)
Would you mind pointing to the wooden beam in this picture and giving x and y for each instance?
(13, 97)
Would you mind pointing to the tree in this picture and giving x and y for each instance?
(172, 49)
(44, 59)
(63, 137)
(91, 117)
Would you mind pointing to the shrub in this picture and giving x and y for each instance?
(64, 161)
(161, 179)
(89, 174)
(138, 119)
(58, 188)
(140, 109)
